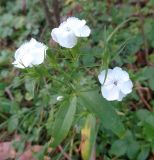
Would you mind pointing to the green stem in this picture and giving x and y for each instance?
(120, 26)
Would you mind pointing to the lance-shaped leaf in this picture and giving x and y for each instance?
(64, 121)
(103, 109)
(88, 134)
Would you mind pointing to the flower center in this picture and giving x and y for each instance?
(115, 83)
(67, 29)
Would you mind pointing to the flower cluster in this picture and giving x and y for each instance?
(116, 83)
(68, 32)
(29, 54)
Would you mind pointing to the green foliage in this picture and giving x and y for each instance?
(147, 121)
(128, 145)
(104, 110)
(12, 124)
(148, 27)
(28, 97)
(63, 121)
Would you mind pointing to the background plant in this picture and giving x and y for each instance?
(28, 98)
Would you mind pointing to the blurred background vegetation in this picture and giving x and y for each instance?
(25, 114)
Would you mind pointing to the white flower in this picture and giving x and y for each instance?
(66, 34)
(60, 98)
(29, 54)
(116, 85)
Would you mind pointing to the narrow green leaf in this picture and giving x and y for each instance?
(30, 86)
(12, 124)
(88, 137)
(63, 121)
(103, 109)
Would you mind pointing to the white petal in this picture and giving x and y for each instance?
(82, 31)
(40, 54)
(29, 54)
(68, 41)
(65, 38)
(33, 41)
(27, 60)
(78, 27)
(18, 64)
(60, 98)
(110, 94)
(54, 34)
(38, 51)
(101, 76)
(121, 96)
(37, 45)
(126, 87)
(74, 22)
(24, 62)
(21, 50)
(120, 74)
(68, 31)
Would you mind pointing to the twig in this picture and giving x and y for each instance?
(8, 92)
(71, 146)
(108, 4)
(138, 88)
(56, 9)
(144, 15)
(146, 89)
(43, 32)
(140, 2)
(24, 7)
(48, 14)
(145, 43)
(64, 153)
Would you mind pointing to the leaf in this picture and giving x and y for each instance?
(152, 146)
(148, 72)
(18, 145)
(133, 146)
(128, 146)
(30, 86)
(88, 137)
(119, 148)
(2, 86)
(144, 153)
(142, 114)
(12, 124)
(64, 121)
(5, 105)
(149, 33)
(147, 119)
(103, 109)
(132, 149)
(41, 152)
(151, 83)
(88, 60)
(149, 131)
